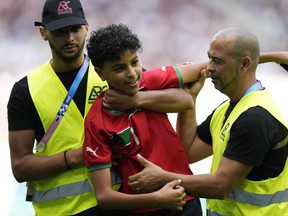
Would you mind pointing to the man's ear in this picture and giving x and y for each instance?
(246, 63)
(100, 73)
(43, 33)
(87, 26)
(87, 29)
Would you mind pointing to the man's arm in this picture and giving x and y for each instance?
(27, 166)
(166, 100)
(170, 196)
(217, 185)
(278, 57)
(194, 147)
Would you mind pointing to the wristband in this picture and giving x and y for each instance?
(68, 166)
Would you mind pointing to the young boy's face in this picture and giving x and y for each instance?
(123, 74)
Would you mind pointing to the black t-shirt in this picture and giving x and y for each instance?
(252, 137)
(22, 113)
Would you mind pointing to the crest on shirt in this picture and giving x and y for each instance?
(124, 137)
(88, 149)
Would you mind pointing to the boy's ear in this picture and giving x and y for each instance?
(100, 73)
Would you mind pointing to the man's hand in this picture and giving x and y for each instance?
(149, 179)
(75, 157)
(119, 101)
(172, 195)
(194, 88)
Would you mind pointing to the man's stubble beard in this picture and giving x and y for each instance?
(67, 59)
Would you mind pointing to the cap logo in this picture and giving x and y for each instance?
(63, 8)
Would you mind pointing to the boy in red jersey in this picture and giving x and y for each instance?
(113, 52)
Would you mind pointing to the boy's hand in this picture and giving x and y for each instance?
(119, 100)
(172, 195)
(149, 179)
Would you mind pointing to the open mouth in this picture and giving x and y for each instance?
(132, 83)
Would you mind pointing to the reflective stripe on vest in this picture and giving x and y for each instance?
(62, 191)
(211, 213)
(67, 190)
(258, 199)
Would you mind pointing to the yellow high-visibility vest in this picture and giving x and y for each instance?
(69, 192)
(257, 198)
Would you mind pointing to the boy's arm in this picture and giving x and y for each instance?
(278, 57)
(190, 72)
(170, 196)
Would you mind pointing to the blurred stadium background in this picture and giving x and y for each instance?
(171, 31)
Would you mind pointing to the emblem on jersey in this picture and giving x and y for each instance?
(124, 137)
(88, 149)
(223, 132)
(96, 90)
(163, 68)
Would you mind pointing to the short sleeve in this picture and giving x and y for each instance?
(203, 130)
(20, 107)
(161, 78)
(97, 153)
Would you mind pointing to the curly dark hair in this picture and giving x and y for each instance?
(110, 42)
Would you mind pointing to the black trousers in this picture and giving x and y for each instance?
(191, 208)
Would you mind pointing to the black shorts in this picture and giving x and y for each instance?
(97, 211)
(191, 208)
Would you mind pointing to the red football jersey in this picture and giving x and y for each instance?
(136, 131)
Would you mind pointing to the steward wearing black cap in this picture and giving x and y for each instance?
(59, 14)
(49, 105)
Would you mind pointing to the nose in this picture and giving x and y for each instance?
(131, 73)
(68, 35)
(210, 66)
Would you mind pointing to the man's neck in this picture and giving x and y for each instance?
(60, 66)
(241, 91)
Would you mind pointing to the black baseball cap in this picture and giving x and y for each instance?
(57, 14)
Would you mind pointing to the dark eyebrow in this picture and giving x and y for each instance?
(117, 65)
(214, 58)
(136, 57)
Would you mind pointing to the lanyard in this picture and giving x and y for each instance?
(63, 108)
(256, 86)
